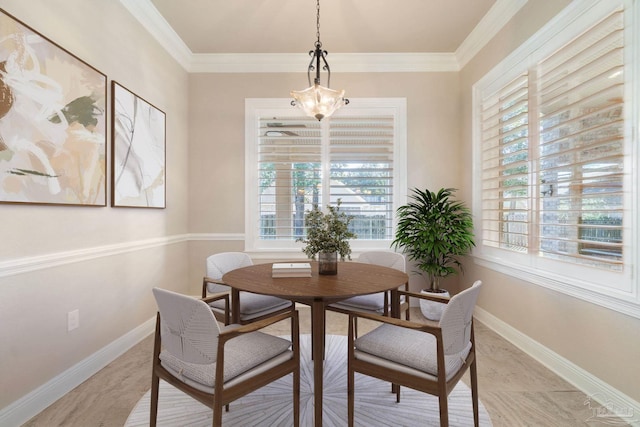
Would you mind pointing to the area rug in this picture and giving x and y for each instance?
(272, 405)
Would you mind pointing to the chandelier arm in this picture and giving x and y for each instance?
(326, 67)
(311, 67)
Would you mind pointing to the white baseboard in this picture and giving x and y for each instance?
(35, 402)
(603, 399)
(30, 405)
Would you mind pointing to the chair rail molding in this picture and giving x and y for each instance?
(39, 262)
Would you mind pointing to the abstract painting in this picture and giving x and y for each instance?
(138, 132)
(52, 122)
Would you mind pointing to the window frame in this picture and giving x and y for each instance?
(589, 284)
(281, 107)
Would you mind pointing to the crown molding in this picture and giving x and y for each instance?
(345, 62)
(498, 16)
(149, 17)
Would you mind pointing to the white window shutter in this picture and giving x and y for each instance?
(302, 162)
(581, 149)
(505, 167)
(362, 172)
(289, 170)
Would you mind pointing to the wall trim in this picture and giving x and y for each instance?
(620, 302)
(500, 13)
(410, 62)
(215, 236)
(592, 386)
(40, 262)
(152, 21)
(25, 408)
(498, 16)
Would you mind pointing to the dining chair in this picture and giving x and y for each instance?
(217, 365)
(252, 306)
(378, 303)
(429, 357)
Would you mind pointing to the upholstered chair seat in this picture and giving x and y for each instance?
(430, 357)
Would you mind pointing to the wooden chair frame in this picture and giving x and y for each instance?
(440, 387)
(227, 317)
(223, 396)
(404, 306)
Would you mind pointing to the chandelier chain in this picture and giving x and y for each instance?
(318, 43)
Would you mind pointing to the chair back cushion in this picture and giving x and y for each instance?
(188, 329)
(384, 258)
(220, 264)
(456, 319)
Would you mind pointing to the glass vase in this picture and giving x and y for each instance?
(328, 263)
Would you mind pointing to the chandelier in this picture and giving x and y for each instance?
(316, 100)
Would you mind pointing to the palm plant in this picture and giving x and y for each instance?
(434, 230)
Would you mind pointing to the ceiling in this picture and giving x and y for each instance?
(346, 26)
(258, 36)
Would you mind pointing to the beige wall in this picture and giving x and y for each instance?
(596, 339)
(216, 105)
(112, 292)
(205, 194)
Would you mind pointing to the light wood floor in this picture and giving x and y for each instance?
(515, 390)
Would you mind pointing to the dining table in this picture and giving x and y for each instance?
(317, 291)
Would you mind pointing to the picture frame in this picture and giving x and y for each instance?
(138, 131)
(52, 121)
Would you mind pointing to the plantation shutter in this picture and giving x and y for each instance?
(361, 157)
(505, 166)
(581, 151)
(290, 174)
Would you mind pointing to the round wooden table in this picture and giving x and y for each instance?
(317, 291)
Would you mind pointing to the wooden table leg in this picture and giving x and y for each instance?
(395, 303)
(395, 312)
(235, 306)
(317, 346)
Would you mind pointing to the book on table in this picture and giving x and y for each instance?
(291, 269)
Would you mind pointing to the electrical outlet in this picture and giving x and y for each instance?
(73, 320)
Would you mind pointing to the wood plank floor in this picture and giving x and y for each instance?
(515, 390)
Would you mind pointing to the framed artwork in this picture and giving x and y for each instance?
(138, 159)
(52, 121)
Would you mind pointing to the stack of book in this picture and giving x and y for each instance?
(291, 269)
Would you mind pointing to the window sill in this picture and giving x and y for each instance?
(619, 301)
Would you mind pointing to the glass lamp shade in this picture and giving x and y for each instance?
(318, 101)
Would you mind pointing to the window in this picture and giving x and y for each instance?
(553, 148)
(295, 162)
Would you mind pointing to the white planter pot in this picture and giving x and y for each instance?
(432, 310)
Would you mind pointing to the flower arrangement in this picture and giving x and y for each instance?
(327, 232)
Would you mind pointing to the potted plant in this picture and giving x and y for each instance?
(327, 235)
(434, 230)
